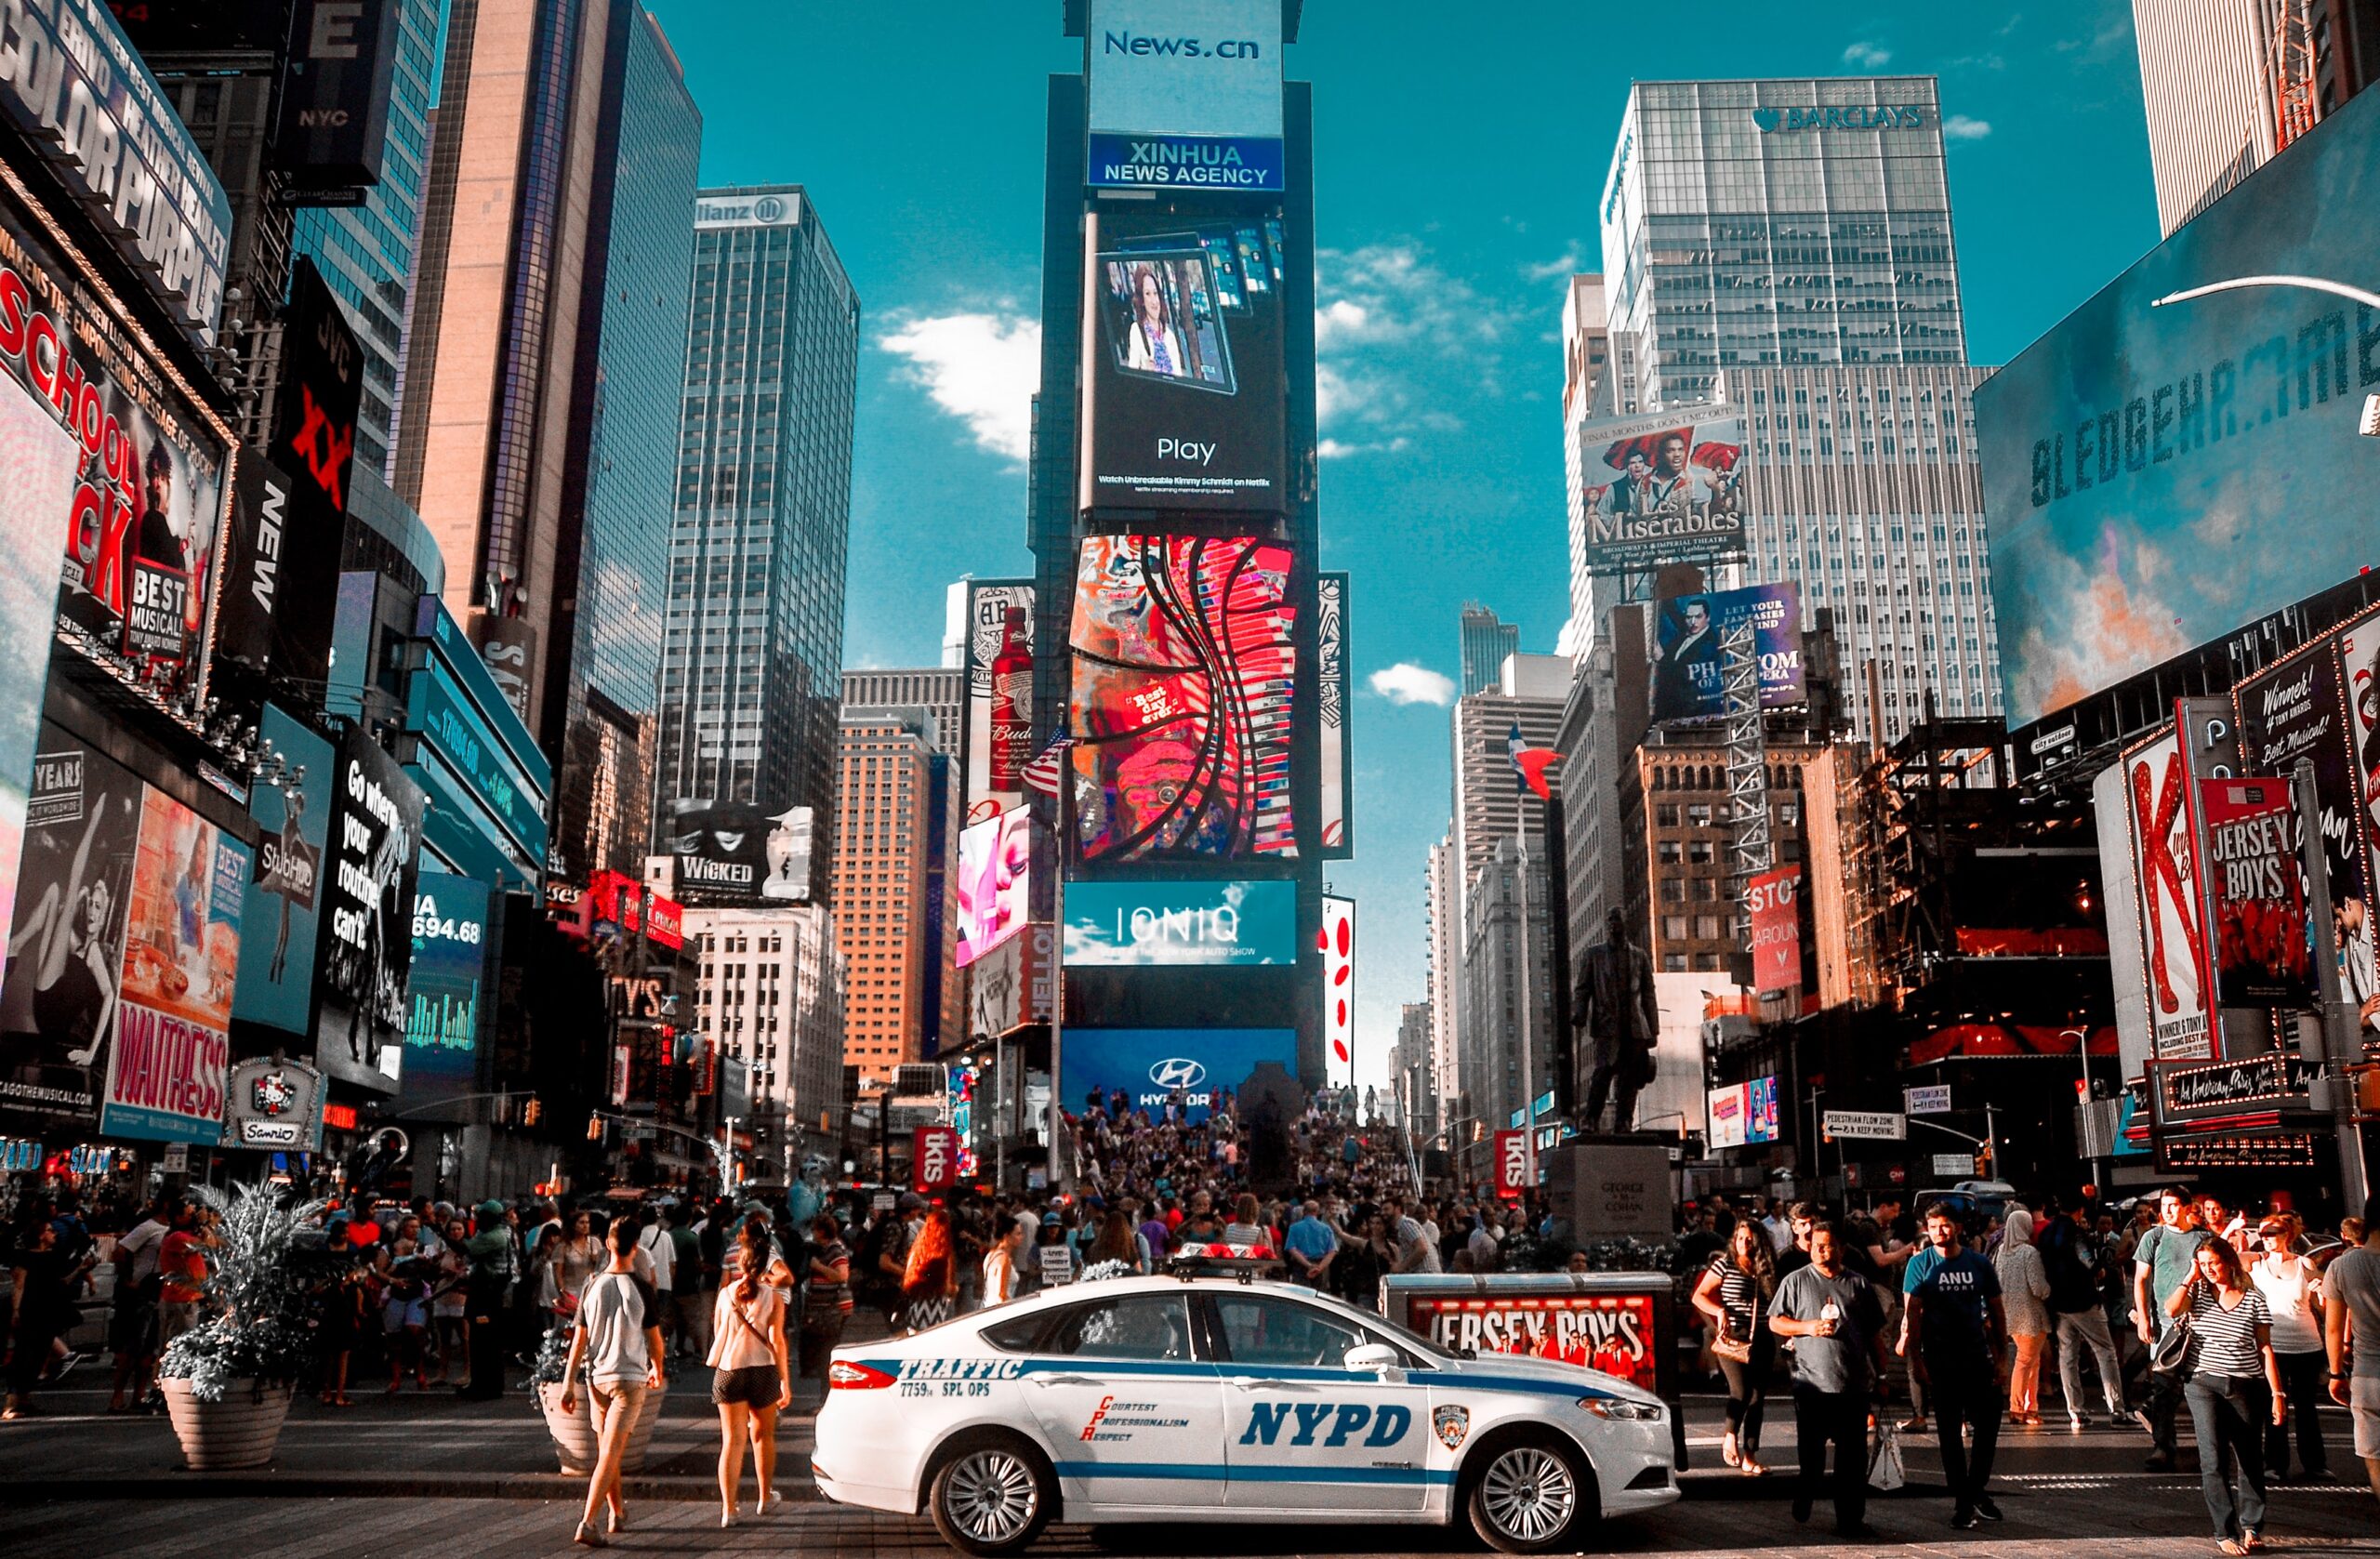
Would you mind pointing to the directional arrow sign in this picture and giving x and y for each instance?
(1932, 1100)
(1884, 1126)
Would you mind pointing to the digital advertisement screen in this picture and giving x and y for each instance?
(1148, 1064)
(739, 853)
(1183, 681)
(167, 1067)
(994, 882)
(1689, 671)
(2156, 477)
(1127, 924)
(277, 923)
(1742, 1115)
(442, 987)
(1661, 488)
(38, 460)
(1184, 94)
(1183, 375)
(364, 940)
(1337, 712)
(66, 949)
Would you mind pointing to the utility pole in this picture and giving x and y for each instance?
(1528, 1057)
(2335, 1026)
(1058, 954)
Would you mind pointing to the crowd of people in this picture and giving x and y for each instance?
(2175, 1300)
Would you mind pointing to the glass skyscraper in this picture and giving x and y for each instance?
(1780, 223)
(365, 253)
(752, 656)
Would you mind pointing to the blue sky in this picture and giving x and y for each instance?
(1460, 152)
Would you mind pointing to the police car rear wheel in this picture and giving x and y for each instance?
(992, 1497)
(1531, 1497)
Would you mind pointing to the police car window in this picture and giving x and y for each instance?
(1260, 1330)
(1135, 1326)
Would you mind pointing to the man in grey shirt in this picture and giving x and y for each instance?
(2163, 1261)
(1837, 1326)
(2352, 1315)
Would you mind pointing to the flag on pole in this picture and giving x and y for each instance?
(1529, 763)
(1041, 773)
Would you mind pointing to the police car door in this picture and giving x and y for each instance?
(1132, 1414)
(1302, 1430)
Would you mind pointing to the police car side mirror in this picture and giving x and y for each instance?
(1379, 1358)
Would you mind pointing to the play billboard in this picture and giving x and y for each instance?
(1661, 488)
(2156, 788)
(1688, 669)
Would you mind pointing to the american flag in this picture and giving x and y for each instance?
(1041, 773)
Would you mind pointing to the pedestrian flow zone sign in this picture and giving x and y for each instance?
(1884, 1126)
(1932, 1100)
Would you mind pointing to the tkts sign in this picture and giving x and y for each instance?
(1511, 1163)
(933, 1158)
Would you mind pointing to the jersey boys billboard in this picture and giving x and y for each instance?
(1182, 698)
(1183, 390)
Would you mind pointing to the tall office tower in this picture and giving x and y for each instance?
(1588, 741)
(770, 995)
(1486, 644)
(1507, 971)
(365, 252)
(1444, 906)
(2228, 82)
(1751, 223)
(879, 887)
(750, 667)
(1412, 1088)
(1487, 792)
(938, 691)
(1587, 390)
(557, 120)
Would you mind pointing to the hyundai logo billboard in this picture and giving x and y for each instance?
(1149, 1064)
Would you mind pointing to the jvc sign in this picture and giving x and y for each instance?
(1185, 93)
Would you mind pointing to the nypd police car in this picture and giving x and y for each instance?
(1171, 1398)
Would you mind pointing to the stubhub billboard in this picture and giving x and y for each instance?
(1185, 94)
(1148, 1064)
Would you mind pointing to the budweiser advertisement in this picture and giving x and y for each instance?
(1511, 1163)
(1618, 1323)
(1773, 899)
(933, 1158)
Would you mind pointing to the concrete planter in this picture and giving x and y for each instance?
(575, 1433)
(240, 1430)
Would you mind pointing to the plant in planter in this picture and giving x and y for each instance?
(227, 1382)
(574, 1437)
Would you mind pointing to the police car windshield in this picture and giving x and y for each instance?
(1403, 1335)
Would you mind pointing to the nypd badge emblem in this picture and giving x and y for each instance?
(1452, 1423)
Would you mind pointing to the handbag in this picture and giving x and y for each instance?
(2172, 1348)
(1886, 1473)
(1735, 1350)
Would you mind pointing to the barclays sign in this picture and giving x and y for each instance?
(1882, 117)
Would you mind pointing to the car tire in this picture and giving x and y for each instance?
(1532, 1493)
(992, 1493)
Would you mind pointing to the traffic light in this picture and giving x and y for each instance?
(531, 1112)
(595, 1127)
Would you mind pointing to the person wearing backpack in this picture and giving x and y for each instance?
(2162, 1263)
(2077, 1273)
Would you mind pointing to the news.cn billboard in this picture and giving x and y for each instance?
(1663, 487)
(136, 536)
(1184, 673)
(1688, 670)
(1185, 392)
(998, 711)
(2155, 476)
(1184, 95)
(1122, 925)
(1149, 1065)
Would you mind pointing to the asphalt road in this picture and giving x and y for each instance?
(2099, 1517)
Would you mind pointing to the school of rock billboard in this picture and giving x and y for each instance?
(1663, 487)
(1183, 675)
(1185, 392)
(2156, 793)
(172, 1050)
(2155, 476)
(136, 536)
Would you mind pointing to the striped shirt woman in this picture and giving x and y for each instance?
(2234, 1390)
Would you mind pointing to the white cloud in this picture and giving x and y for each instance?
(982, 368)
(1408, 684)
(1564, 264)
(1867, 55)
(1959, 127)
(1334, 449)
(1390, 324)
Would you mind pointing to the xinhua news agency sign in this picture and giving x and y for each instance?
(1184, 94)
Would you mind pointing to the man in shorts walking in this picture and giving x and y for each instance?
(2352, 1318)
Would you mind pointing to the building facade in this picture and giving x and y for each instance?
(1486, 642)
(771, 994)
(1444, 906)
(1506, 983)
(1487, 789)
(879, 887)
(751, 659)
(939, 691)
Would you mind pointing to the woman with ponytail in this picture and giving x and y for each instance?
(751, 1380)
(929, 1281)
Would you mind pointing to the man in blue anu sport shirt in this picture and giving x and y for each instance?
(1959, 1334)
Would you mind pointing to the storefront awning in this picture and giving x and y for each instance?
(2003, 1041)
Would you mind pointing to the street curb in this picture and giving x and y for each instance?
(267, 1484)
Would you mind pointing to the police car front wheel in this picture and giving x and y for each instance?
(1532, 1496)
(992, 1496)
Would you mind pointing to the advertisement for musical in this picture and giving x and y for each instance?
(167, 1067)
(738, 853)
(999, 713)
(1183, 681)
(37, 464)
(1614, 1322)
(1184, 403)
(58, 995)
(2255, 894)
(2173, 940)
(1774, 900)
(2297, 710)
(278, 923)
(364, 940)
(137, 532)
(1690, 672)
(1661, 488)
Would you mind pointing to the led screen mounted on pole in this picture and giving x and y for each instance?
(1184, 95)
(1184, 667)
(1184, 396)
(1662, 488)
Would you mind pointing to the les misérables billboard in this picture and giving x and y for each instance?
(1185, 395)
(2155, 477)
